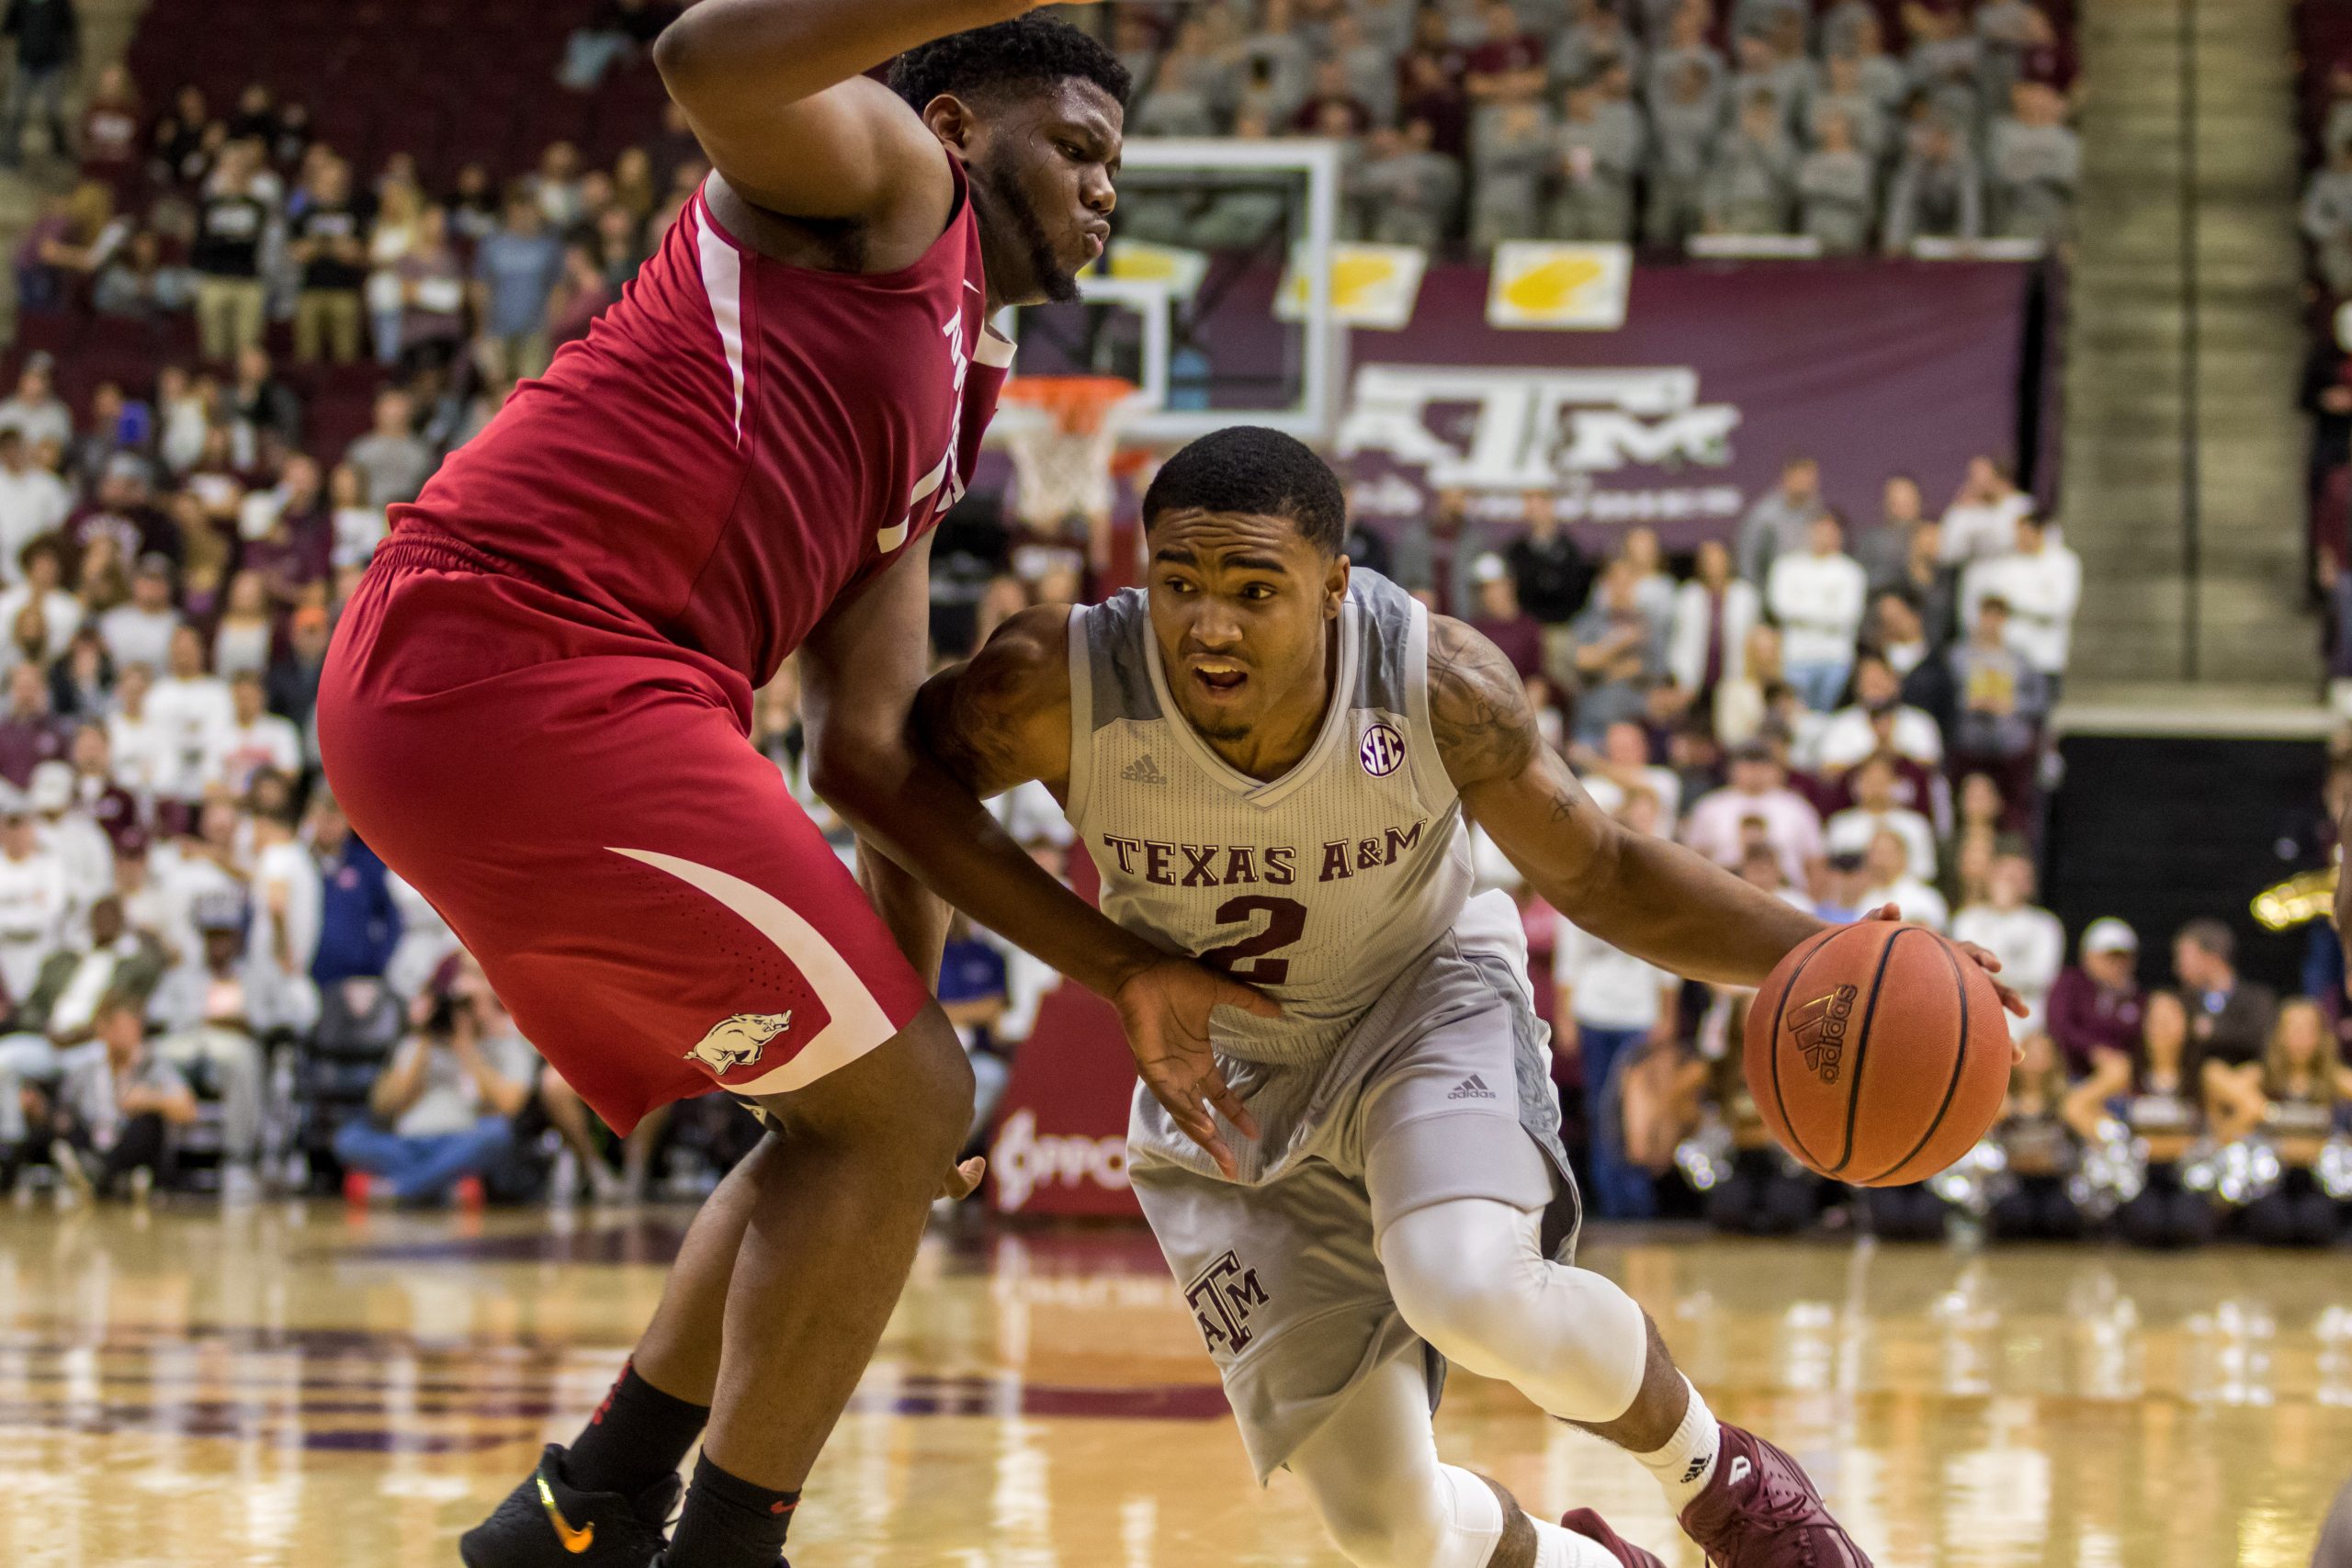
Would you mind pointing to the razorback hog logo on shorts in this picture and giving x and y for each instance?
(1222, 1296)
(1819, 1028)
(739, 1042)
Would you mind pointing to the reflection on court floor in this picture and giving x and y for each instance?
(295, 1386)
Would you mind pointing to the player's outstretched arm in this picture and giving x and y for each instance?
(861, 670)
(776, 92)
(1644, 896)
(1647, 896)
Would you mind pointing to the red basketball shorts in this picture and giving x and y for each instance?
(581, 802)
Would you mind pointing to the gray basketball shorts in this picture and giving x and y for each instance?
(1442, 1091)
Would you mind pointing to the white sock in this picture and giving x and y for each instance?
(1557, 1548)
(1687, 1462)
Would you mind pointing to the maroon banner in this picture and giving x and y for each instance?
(1061, 1134)
(1681, 418)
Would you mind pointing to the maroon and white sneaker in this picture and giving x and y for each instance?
(1585, 1522)
(1760, 1511)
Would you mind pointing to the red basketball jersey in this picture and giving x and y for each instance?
(738, 443)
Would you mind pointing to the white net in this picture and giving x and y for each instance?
(1062, 433)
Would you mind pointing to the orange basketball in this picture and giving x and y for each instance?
(1878, 1053)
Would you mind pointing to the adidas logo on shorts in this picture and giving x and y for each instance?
(1472, 1088)
(1143, 770)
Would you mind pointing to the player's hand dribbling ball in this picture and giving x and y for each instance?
(1878, 1053)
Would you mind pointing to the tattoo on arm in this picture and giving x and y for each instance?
(980, 719)
(1477, 707)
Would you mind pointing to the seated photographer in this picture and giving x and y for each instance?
(443, 1111)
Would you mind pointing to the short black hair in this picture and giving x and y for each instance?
(1031, 50)
(1249, 469)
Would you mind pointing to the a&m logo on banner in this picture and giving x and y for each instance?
(1534, 282)
(1371, 286)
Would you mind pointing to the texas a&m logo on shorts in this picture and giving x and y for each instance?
(1222, 1297)
(1819, 1028)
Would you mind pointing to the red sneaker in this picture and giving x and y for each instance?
(1585, 1522)
(1760, 1511)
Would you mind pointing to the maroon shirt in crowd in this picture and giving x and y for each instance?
(1521, 639)
(2087, 1017)
(27, 741)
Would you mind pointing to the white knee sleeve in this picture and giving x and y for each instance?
(1470, 1278)
(1373, 1472)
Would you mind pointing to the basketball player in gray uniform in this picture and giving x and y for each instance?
(1272, 759)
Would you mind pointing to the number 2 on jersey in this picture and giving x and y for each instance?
(1286, 923)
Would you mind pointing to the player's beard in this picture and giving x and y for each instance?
(1019, 215)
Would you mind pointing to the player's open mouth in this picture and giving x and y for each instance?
(1219, 680)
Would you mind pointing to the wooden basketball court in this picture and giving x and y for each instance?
(301, 1386)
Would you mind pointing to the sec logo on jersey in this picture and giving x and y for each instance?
(1381, 751)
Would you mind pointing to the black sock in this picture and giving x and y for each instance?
(731, 1523)
(637, 1436)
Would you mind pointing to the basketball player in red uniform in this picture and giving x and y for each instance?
(536, 705)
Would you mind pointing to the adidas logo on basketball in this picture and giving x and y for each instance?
(1143, 770)
(1472, 1088)
(1818, 1027)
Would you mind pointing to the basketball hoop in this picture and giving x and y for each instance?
(1063, 434)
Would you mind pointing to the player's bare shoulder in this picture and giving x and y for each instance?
(1478, 708)
(1002, 718)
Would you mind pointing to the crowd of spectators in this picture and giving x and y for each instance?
(204, 979)
(1855, 125)
(2325, 52)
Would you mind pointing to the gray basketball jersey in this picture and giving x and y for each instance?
(1318, 887)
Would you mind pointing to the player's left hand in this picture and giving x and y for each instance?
(2010, 1000)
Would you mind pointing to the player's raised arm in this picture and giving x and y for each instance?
(1647, 896)
(776, 92)
(859, 670)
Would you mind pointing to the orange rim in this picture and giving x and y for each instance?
(1078, 403)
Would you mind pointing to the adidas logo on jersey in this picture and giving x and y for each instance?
(1143, 770)
(1472, 1088)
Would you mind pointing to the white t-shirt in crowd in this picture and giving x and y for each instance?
(1851, 830)
(83, 847)
(1818, 602)
(426, 940)
(2031, 946)
(180, 879)
(1607, 988)
(1978, 530)
(1790, 824)
(282, 993)
(34, 903)
(1920, 904)
(1848, 738)
(189, 717)
(2042, 590)
(242, 750)
(31, 503)
(137, 751)
(135, 636)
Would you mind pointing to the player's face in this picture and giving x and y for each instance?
(1241, 606)
(1043, 166)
